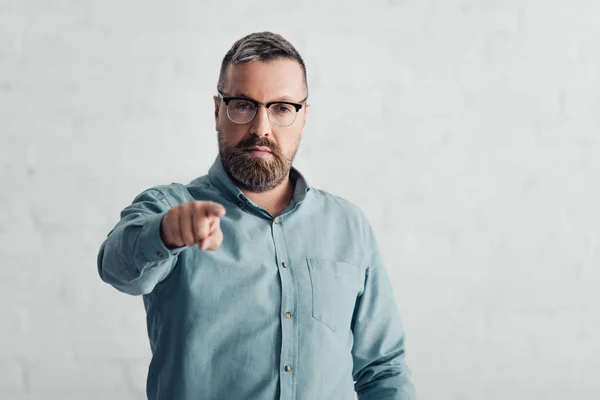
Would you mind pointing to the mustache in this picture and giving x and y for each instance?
(260, 142)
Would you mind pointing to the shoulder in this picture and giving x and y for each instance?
(339, 205)
(348, 217)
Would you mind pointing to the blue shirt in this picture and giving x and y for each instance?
(296, 307)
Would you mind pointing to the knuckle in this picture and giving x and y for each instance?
(167, 219)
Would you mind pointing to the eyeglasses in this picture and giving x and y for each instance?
(242, 110)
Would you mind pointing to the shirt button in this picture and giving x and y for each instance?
(240, 204)
(284, 265)
(288, 368)
(276, 220)
(159, 253)
(288, 314)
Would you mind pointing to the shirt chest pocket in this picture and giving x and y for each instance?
(335, 286)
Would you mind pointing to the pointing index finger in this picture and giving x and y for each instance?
(214, 210)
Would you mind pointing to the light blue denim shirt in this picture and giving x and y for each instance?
(297, 307)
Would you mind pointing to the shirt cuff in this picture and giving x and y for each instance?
(152, 246)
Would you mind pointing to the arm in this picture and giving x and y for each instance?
(133, 258)
(379, 370)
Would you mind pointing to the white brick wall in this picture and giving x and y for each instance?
(468, 131)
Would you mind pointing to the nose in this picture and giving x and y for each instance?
(261, 126)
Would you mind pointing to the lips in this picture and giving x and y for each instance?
(258, 148)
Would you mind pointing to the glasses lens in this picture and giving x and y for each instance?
(282, 114)
(241, 111)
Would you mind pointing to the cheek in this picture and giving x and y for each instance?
(289, 141)
(231, 133)
(223, 121)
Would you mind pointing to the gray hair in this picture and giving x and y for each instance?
(261, 46)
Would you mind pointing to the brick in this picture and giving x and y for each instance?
(117, 333)
(516, 49)
(578, 19)
(38, 325)
(137, 374)
(12, 377)
(71, 379)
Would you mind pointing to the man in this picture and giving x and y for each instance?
(256, 285)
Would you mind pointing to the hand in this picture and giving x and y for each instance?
(196, 222)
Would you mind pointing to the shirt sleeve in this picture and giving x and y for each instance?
(133, 257)
(380, 371)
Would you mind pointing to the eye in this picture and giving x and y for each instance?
(242, 105)
(282, 108)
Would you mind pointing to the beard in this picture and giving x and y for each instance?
(255, 174)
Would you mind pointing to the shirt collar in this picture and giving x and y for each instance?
(219, 178)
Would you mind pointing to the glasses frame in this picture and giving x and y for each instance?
(257, 104)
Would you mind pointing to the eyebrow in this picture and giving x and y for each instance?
(281, 98)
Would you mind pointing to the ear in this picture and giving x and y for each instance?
(217, 102)
(306, 108)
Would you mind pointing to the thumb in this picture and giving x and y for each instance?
(213, 224)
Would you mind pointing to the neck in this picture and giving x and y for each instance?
(274, 200)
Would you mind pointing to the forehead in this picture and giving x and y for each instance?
(266, 80)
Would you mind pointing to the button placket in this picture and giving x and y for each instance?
(289, 350)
